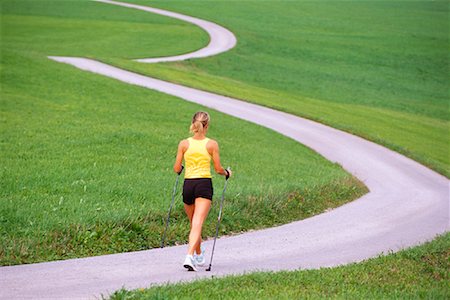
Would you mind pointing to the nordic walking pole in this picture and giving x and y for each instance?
(170, 208)
(218, 220)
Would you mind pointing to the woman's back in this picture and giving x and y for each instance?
(197, 159)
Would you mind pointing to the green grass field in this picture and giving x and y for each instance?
(87, 161)
(378, 69)
(417, 273)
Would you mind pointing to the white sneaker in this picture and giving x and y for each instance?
(200, 258)
(190, 263)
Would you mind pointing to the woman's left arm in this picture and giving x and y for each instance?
(177, 167)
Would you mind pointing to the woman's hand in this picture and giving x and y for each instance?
(228, 173)
(182, 167)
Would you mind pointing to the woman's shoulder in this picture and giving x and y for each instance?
(212, 143)
(184, 143)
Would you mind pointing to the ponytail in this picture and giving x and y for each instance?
(197, 127)
(199, 121)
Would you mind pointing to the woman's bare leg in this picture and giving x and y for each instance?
(201, 210)
(189, 209)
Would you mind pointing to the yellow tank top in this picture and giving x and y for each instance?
(197, 159)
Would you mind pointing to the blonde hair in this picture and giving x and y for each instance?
(199, 121)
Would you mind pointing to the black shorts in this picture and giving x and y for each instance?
(197, 188)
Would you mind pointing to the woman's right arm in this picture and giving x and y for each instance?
(214, 150)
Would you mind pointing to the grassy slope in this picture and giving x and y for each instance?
(378, 69)
(91, 29)
(417, 273)
(86, 161)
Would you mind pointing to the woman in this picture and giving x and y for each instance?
(197, 152)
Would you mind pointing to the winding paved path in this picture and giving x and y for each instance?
(407, 205)
(221, 39)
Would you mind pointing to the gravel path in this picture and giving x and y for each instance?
(408, 204)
